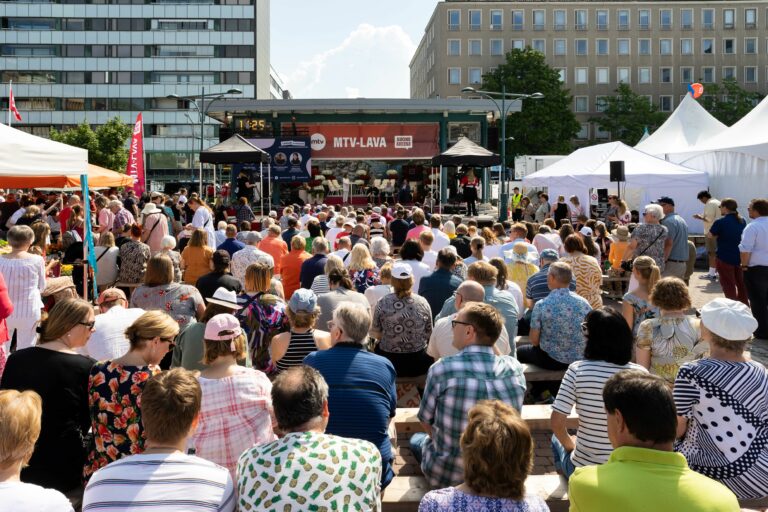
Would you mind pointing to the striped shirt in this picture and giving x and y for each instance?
(299, 347)
(160, 482)
(582, 386)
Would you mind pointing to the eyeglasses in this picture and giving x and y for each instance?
(584, 329)
(454, 323)
(88, 324)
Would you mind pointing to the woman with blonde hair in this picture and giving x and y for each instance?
(182, 301)
(624, 215)
(20, 418)
(114, 390)
(320, 283)
(492, 243)
(362, 269)
(196, 256)
(291, 347)
(575, 208)
(497, 452)
(59, 374)
(636, 304)
(106, 260)
(236, 408)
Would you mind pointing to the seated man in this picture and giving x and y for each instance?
(556, 333)
(536, 288)
(643, 473)
(230, 244)
(438, 286)
(455, 384)
(164, 477)
(307, 467)
(219, 277)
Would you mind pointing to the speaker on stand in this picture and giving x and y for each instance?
(617, 174)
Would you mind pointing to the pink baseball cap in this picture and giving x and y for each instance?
(222, 327)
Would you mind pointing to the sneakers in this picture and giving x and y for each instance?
(709, 277)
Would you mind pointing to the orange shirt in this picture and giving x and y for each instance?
(290, 266)
(197, 261)
(275, 247)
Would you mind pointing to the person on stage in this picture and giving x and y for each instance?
(244, 186)
(469, 183)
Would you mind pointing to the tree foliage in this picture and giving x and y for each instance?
(544, 126)
(106, 145)
(728, 101)
(627, 114)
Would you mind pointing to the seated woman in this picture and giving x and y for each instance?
(320, 283)
(586, 270)
(497, 449)
(722, 404)
(608, 350)
(290, 348)
(196, 256)
(362, 269)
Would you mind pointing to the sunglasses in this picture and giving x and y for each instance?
(454, 323)
(88, 324)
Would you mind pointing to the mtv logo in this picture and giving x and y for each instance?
(403, 141)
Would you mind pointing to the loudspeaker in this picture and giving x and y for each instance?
(602, 195)
(617, 170)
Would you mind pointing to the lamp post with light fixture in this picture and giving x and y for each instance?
(202, 110)
(503, 111)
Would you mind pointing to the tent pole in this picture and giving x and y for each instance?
(261, 188)
(269, 184)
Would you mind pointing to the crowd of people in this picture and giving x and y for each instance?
(227, 366)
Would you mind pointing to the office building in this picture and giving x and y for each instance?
(658, 48)
(96, 59)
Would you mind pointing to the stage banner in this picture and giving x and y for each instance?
(135, 167)
(372, 141)
(290, 158)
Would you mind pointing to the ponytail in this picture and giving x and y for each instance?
(648, 270)
(336, 276)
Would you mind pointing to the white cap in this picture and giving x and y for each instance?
(401, 270)
(586, 231)
(728, 319)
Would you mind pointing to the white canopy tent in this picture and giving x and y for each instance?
(647, 179)
(23, 154)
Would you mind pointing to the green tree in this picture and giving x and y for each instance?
(544, 126)
(627, 114)
(728, 101)
(106, 145)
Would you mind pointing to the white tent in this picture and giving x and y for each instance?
(23, 154)
(690, 124)
(648, 178)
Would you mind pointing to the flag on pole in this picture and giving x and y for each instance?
(89, 254)
(135, 167)
(12, 106)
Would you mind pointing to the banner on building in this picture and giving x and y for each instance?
(290, 159)
(135, 167)
(372, 141)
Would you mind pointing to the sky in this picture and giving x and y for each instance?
(350, 49)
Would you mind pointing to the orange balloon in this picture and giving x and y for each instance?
(696, 90)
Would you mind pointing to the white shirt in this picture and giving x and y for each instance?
(472, 259)
(15, 217)
(430, 259)
(108, 340)
(441, 240)
(441, 340)
(203, 219)
(548, 241)
(420, 269)
(221, 235)
(331, 235)
(754, 240)
(517, 293)
(342, 253)
(246, 256)
(374, 293)
(29, 497)
(492, 251)
(306, 218)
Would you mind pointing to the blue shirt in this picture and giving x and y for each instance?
(677, 230)
(231, 245)
(558, 318)
(437, 288)
(728, 231)
(754, 240)
(537, 288)
(311, 268)
(361, 394)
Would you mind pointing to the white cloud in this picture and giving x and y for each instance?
(370, 62)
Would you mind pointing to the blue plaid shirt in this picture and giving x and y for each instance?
(454, 385)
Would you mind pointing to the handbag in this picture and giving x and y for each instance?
(626, 265)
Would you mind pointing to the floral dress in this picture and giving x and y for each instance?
(114, 400)
(133, 261)
(180, 301)
(642, 309)
(365, 278)
(673, 340)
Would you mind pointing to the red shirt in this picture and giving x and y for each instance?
(64, 217)
(466, 182)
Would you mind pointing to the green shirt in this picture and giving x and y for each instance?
(641, 479)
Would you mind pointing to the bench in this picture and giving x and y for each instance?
(622, 280)
(535, 416)
(535, 373)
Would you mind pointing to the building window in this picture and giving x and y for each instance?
(539, 19)
(686, 19)
(580, 19)
(518, 20)
(601, 16)
(686, 47)
(708, 46)
(686, 75)
(750, 45)
(560, 20)
(601, 46)
(581, 104)
(454, 19)
(581, 46)
(518, 44)
(454, 47)
(750, 74)
(644, 19)
(665, 75)
(475, 19)
(474, 47)
(497, 47)
(622, 46)
(729, 46)
(600, 104)
(729, 72)
(497, 19)
(475, 76)
(665, 46)
(560, 46)
(643, 75)
(623, 75)
(601, 75)
(643, 46)
(708, 75)
(729, 18)
(665, 19)
(750, 18)
(540, 45)
(665, 103)
(622, 16)
(708, 19)
(454, 76)
(584, 132)
(581, 76)
(562, 74)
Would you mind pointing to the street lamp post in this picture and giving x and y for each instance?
(503, 193)
(202, 110)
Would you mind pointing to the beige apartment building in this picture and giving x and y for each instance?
(658, 48)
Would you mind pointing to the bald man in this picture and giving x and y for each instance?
(441, 340)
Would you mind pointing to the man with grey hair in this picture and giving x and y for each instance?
(537, 288)
(441, 339)
(300, 401)
(676, 244)
(248, 255)
(315, 265)
(362, 384)
(122, 216)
